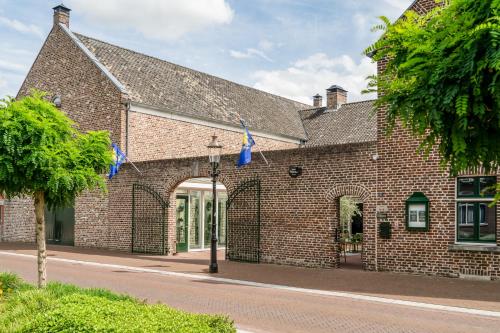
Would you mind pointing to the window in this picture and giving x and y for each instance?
(476, 220)
(417, 212)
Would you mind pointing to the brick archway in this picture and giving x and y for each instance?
(362, 193)
(172, 184)
(339, 190)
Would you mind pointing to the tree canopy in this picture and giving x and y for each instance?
(442, 80)
(42, 150)
(43, 155)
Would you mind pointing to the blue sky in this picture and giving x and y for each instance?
(293, 48)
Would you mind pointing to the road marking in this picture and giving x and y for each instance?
(202, 277)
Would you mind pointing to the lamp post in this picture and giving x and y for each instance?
(214, 150)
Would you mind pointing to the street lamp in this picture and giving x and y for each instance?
(214, 150)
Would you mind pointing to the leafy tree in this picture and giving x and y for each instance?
(348, 209)
(442, 81)
(44, 156)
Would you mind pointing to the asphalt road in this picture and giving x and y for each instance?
(258, 309)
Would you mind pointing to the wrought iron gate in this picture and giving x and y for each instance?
(149, 220)
(243, 222)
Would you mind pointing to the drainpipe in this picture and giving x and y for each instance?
(127, 108)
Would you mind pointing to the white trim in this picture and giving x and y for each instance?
(199, 186)
(93, 58)
(472, 243)
(327, 293)
(209, 123)
(474, 199)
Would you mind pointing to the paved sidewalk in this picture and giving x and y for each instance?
(484, 295)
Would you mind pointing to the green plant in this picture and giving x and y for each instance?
(357, 238)
(67, 308)
(10, 282)
(442, 81)
(348, 209)
(44, 156)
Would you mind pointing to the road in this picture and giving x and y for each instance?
(256, 308)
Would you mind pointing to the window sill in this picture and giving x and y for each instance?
(493, 248)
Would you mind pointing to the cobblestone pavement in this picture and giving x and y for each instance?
(258, 309)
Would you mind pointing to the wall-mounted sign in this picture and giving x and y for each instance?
(417, 212)
(294, 171)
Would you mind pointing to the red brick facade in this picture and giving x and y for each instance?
(401, 172)
(299, 215)
(153, 137)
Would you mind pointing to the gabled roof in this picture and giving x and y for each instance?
(351, 123)
(160, 84)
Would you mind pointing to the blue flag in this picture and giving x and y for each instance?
(119, 160)
(246, 149)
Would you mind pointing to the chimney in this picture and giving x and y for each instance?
(335, 97)
(61, 15)
(317, 101)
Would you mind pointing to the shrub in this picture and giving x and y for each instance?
(67, 308)
(10, 282)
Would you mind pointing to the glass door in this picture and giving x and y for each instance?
(221, 221)
(207, 198)
(181, 222)
(195, 220)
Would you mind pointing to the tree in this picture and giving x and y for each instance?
(442, 81)
(348, 209)
(44, 156)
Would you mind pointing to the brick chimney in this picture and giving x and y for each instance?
(61, 15)
(317, 101)
(335, 97)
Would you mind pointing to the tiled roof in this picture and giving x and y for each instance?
(161, 84)
(351, 123)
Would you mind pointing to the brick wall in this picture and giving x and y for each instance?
(19, 220)
(94, 103)
(400, 172)
(90, 99)
(91, 220)
(87, 95)
(423, 6)
(153, 137)
(298, 214)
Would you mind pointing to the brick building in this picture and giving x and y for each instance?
(416, 218)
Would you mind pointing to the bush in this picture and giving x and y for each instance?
(67, 308)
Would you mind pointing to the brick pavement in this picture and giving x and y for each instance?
(254, 309)
(428, 289)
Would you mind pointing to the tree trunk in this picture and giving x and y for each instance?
(40, 238)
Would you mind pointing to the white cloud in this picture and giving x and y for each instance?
(158, 19)
(401, 5)
(249, 53)
(266, 45)
(3, 83)
(314, 74)
(12, 66)
(20, 26)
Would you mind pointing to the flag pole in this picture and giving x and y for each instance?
(261, 154)
(139, 171)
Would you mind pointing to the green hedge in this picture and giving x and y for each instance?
(66, 308)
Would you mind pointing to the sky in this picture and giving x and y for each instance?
(292, 48)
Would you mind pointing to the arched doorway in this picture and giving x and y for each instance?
(193, 214)
(352, 230)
